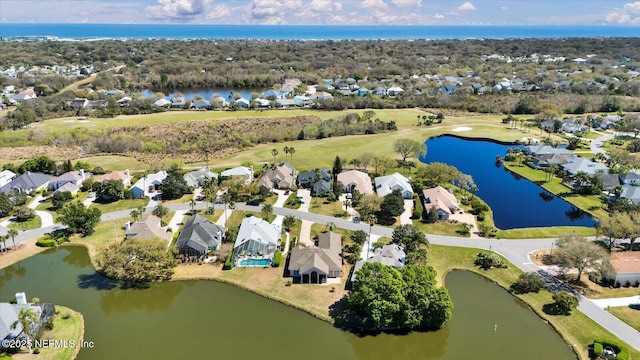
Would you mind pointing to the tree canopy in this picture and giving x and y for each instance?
(388, 298)
(434, 174)
(79, 218)
(137, 261)
(579, 253)
(174, 186)
(392, 205)
(407, 148)
(409, 237)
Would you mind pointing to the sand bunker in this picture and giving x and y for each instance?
(461, 128)
(83, 121)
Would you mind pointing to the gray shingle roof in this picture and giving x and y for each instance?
(198, 235)
(28, 180)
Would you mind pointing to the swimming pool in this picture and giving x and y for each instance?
(255, 262)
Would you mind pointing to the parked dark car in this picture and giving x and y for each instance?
(253, 203)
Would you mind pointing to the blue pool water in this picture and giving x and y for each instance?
(516, 202)
(255, 262)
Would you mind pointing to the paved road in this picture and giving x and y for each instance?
(596, 144)
(516, 251)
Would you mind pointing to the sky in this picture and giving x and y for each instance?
(324, 12)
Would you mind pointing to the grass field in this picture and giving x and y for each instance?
(121, 205)
(323, 207)
(106, 233)
(71, 328)
(33, 223)
(627, 314)
(439, 228)
(115, 162)
(545, 232)
(575, 329)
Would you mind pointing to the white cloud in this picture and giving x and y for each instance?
(325, 6)
(177, 9)
(401, 3)
(466, 7)
(262, 9)
(374, 4)
(219, 12)
(438, 16)
(291, 4)
(629, 14)
(504, 8)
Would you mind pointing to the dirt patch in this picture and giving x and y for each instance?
(25, 249)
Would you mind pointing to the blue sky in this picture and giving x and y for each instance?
(322, 12)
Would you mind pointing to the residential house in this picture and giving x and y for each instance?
(321, 95)
(27, 182)
(10, 326)
(201, 104)
(630, 179)
(356, 180)
(380, 91)
(262, 103)
(631, 193)
(394, 91)
(73, 178)
(242, 103)
(199, 236)
(396, 181)
(196, 178)
(17, 98)
(152, 181)
(6, 176)
(316, 264)
(147, 228)
(307, 179)
(540, 149)
(256, 243)
(178, 102)
(162, 103)
(218, 102)
(442, 200)
(302, 101)
(285, 103)
(626, 267)
(390, 255)
(122, 176)
(280, 177)
(580, 164)
(610, 181)
(243, 171)
(77, 103)
(272, 94)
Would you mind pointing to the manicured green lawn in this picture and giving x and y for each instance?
(545, 232)
(106, 233)
(627, 314)
(439, 228)
(212, 217)
(33, 223)
(321, 206)
(292, 196)
(588, 203)
(575, 329)
(184, 199)
(121, 205)
(70, 328)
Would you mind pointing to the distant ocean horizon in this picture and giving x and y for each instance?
(311, 32)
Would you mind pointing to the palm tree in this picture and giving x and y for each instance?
(370, 219)
(192, 205)
(3, 240)
(135, 214)
(317, 176)
(141, 210)
(292, 151)
(286, 151)
(26, 317)
(267, 210)
(12, 233)
(274, 152)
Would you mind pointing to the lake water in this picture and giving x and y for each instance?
(516, 202)
(207, 319)
(206, 94)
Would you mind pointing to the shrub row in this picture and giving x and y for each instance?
(227, 263)
(622, 353)
(277, 259)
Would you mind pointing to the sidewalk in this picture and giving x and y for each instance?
(613, 302)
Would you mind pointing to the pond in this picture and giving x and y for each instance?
(207, 319)
(516, 202)
(206, 94)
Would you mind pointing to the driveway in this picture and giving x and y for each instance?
(282, 198)
(305, 196)
(467, 218)
(596, 144)
(405, 217)
(45, 217)
(613, 302)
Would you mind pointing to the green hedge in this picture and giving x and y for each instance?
(46, 241)
(622, 353)
(598, 349)
(227, 263)
(277, 259)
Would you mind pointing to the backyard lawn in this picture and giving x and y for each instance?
(33, 223)
(67, 325)
(125, 204)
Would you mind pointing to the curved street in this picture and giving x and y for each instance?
(516, 251)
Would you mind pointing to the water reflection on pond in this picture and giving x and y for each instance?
(516, 202)
(207, 319)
